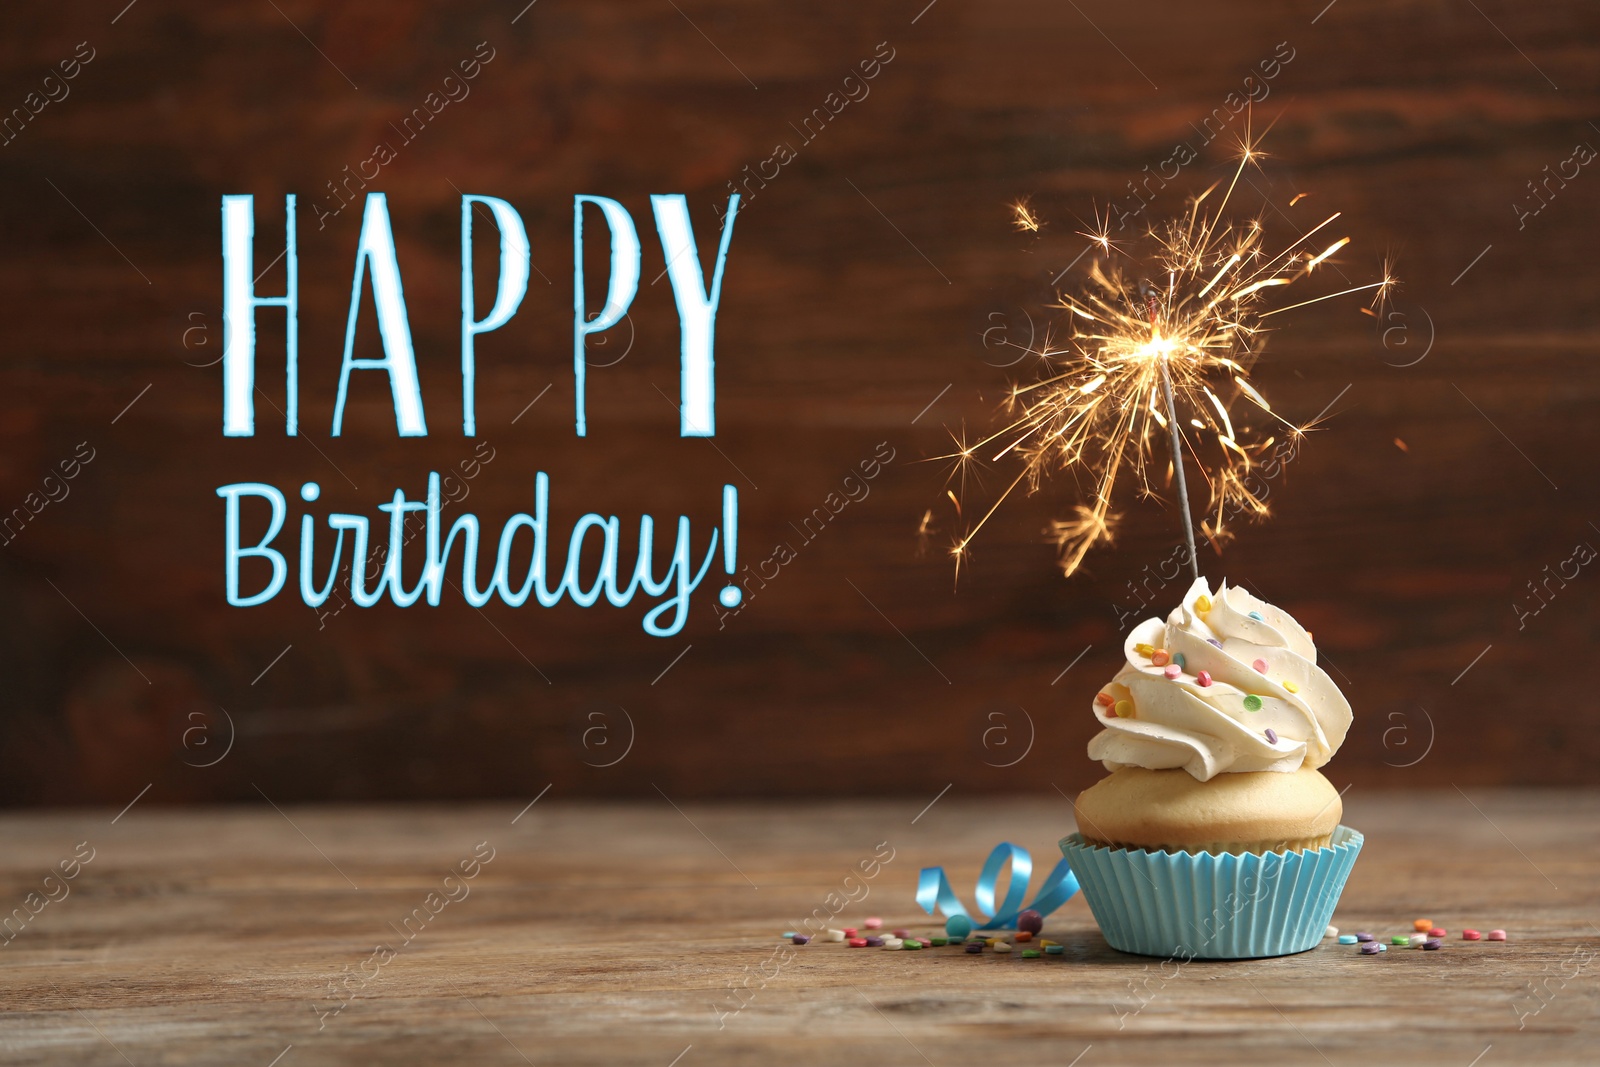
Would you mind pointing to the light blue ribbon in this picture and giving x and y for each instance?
(933, 888)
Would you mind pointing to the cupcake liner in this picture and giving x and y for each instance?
(1202, 905)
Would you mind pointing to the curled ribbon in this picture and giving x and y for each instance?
(1059, 886)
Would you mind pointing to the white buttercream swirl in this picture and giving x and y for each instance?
(1208, 730)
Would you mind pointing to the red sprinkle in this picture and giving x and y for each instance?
(1204, 678)
(1437, 931)
(1470, 935)
(1497, 935)
(1105, 700)
(857, 942)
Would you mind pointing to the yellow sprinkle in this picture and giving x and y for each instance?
(1144, 649)
(1202, 604)
(1291, 687)
(1123, 709)
(1047, 944)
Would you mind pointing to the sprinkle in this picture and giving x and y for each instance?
(1105, 700)
(1144, 649)
(1054, 949)
(857, 942)
(1202, 604)
(1252, 702)
(874, 923)
(1213, 641)
(1331, 931)
(873, 942)
(849, 932)
(1204, 678)
(1438, 931)
(788, 935)
(1022, 935)
(939, 942)
(1260, 665)
(1002, 946)
(1371, 948)
(1030, 954)
(910, 944)
(892, 942)
(1347, 939)
(1172, 670)
(1160, 658)
(1400, 939)
(835, 935)
(1363, 937)
(1470, 935)
(1256, 615)
(1030, 921)
(1422, 924)
(1272, 739)
(958, 926)
(1497, 935)
(1046, 942)
(802, 939)
(902, 933)
(925, 942)
(1381, 946)
(1291, 687)
(1432, 943)
(1180, 659)
(1123, 709)
(974, 947)
(1415, 940)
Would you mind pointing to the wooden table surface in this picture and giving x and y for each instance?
(615, 934)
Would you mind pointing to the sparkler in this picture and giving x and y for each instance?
(1146, 349)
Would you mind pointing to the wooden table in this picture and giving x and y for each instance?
(615, 934)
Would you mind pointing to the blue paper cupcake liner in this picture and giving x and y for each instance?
(1218, 906)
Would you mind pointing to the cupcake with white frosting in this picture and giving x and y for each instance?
(1213, 733)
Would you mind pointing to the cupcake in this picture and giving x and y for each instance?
(1215, 835)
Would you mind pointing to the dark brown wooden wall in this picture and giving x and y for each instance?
(858, 291)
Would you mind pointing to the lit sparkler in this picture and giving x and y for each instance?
(1153, 356)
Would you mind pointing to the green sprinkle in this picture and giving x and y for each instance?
(1030, 953)
(1252, 702)
(1055, 950)
(1399, 939)
(912, 943)
(939, 942)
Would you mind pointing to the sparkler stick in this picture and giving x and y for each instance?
(1177, 468)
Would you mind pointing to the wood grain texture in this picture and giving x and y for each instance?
(862, 280)
(611, 934)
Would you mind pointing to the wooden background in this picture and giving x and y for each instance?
(858, 291)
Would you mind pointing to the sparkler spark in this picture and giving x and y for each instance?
(1186, 310)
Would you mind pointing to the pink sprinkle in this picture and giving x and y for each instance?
(1470, 935)
(902, 934)
(1497, 935)
(873, 923)
(1204, 678)
(1172, 670)
(1260, 665)
(1437, 931)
